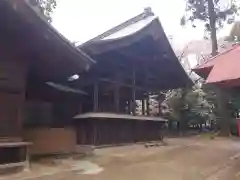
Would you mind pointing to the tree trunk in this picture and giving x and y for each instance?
(182, 126)
(212, 19)
(183, 112)
(169, 124)
(222, 100)
(224, 117)
(200, 127)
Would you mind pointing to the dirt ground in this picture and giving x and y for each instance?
(194, 158)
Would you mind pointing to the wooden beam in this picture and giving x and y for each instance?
(90, 80)
(121, 84)
(95, 96)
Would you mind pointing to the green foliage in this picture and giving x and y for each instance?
(214, 14)
(198, 10)
(235, 98)
(231, 108)
(189, 106)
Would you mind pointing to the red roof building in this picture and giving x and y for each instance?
(222, 69)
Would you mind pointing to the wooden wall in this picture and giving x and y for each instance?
(12, 95)
(12, 74)
(10, 115)
(116, 131)
(50, 140)
(49, 130)
(59, 114)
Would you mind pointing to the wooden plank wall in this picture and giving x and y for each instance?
(12, 95)
(10, 115)
(84, 130)
(50, 140)
(111, 131)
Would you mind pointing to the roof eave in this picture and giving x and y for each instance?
(21, 6)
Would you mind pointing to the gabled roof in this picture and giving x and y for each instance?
(55, 33)
(223, 68)
(144, 38)
(128, 32)
(126, 28)
(206, 66)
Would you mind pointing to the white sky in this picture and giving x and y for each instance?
(81, 20)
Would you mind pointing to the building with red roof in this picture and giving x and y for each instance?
(222, 69)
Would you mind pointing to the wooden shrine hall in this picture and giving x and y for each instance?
(32, 53)
(133, 60)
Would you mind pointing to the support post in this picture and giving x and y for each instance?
(143, 107)
(159, 109)
(116, 93)
(134, 90)
(146, 72)
(129, 106)
(95, 97)
(148, 108)
(94, 133)
(27, 165)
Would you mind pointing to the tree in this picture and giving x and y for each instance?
(188, 106)
(213, 13)
(234, 35)
(46, 7)
(178, 108)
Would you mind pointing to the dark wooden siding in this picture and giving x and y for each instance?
(10, 114)
(12, 75)
(12, 94)
(116, 131)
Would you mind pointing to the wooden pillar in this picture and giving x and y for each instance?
(94, 133)
(143, 106)
(134, 90)
(116, 98)
(159, 108)
(148, 108)
(129, 105)
(95, 97)
(21, 103)
(146, 72)
(116, 93)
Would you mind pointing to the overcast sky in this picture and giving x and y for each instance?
(81, 20)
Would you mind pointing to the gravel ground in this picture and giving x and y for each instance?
(193, 158)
